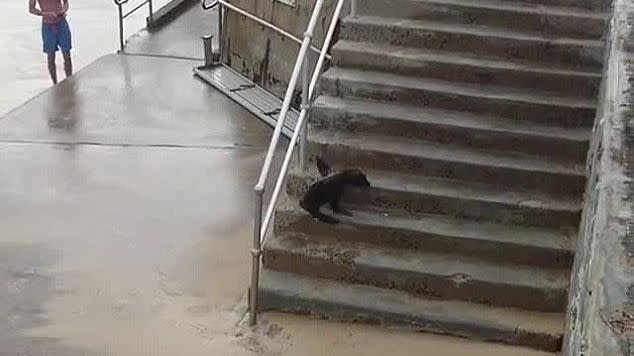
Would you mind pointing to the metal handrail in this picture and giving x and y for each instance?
(224, 3)
(123, 15)
(299, 126)
(256, 250)
(260, 227)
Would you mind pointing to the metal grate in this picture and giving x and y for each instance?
(252, 97)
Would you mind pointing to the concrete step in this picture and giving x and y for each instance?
(600, 5)
(479, 40)
(357, 303)
(510, 244)
(409, 156)
(517, 104)
(362, 117)
(397, 193)
(445, 276)
(464, 68)
(541, 19)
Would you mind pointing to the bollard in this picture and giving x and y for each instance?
(209, 51)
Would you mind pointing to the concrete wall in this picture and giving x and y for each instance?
(601, 311)
(261, 54)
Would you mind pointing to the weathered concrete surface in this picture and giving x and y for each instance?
(417, 157)
(420, 273)
(508, 43)
(444, 171)
(261, 54)
(573, 22)
(523, 105)
(445, 126)
(181, 38)
(530, 246)
(428, 195)
(125, 214)
(464, 68)
(600, 315)
(298, 294)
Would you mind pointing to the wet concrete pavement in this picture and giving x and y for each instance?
(23, 72)
(124, 212)
(125, 207)
(180, 38)
(134, 100)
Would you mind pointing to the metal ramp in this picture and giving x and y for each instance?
(252, 97)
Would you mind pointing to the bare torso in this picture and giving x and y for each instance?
(54, 6)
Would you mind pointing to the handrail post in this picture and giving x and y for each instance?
(121, 40)
(305, 106)
(151, 11)
(220, 30)
(353, 8)
(208, 51)
(256, 252)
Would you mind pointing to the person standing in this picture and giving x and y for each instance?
(55, 33)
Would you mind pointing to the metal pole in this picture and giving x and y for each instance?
(256, 252)
(220, 29)
(151, 9)
(121, 41)
(353, 8)
(208, 50)
(305, 106)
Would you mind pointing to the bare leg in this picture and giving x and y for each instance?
(68, 64)
(52, 68)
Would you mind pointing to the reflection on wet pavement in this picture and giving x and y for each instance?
(23, 72)
(125, 207)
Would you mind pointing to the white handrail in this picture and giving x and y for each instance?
(300, 121)
(300, 63)
(289, 96)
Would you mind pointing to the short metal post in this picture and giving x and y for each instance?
(121, 40)
(151, 10)
(353, 8)
(256, 252)
(305, 106)
(220, 30)
(208, 50)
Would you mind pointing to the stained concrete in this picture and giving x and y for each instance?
(125, 207)
(263, 55)
(402, 171)
(600, 313)
(126, 225)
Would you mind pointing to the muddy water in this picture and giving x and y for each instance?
(290, 335)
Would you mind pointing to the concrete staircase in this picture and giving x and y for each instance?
(471, 119)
